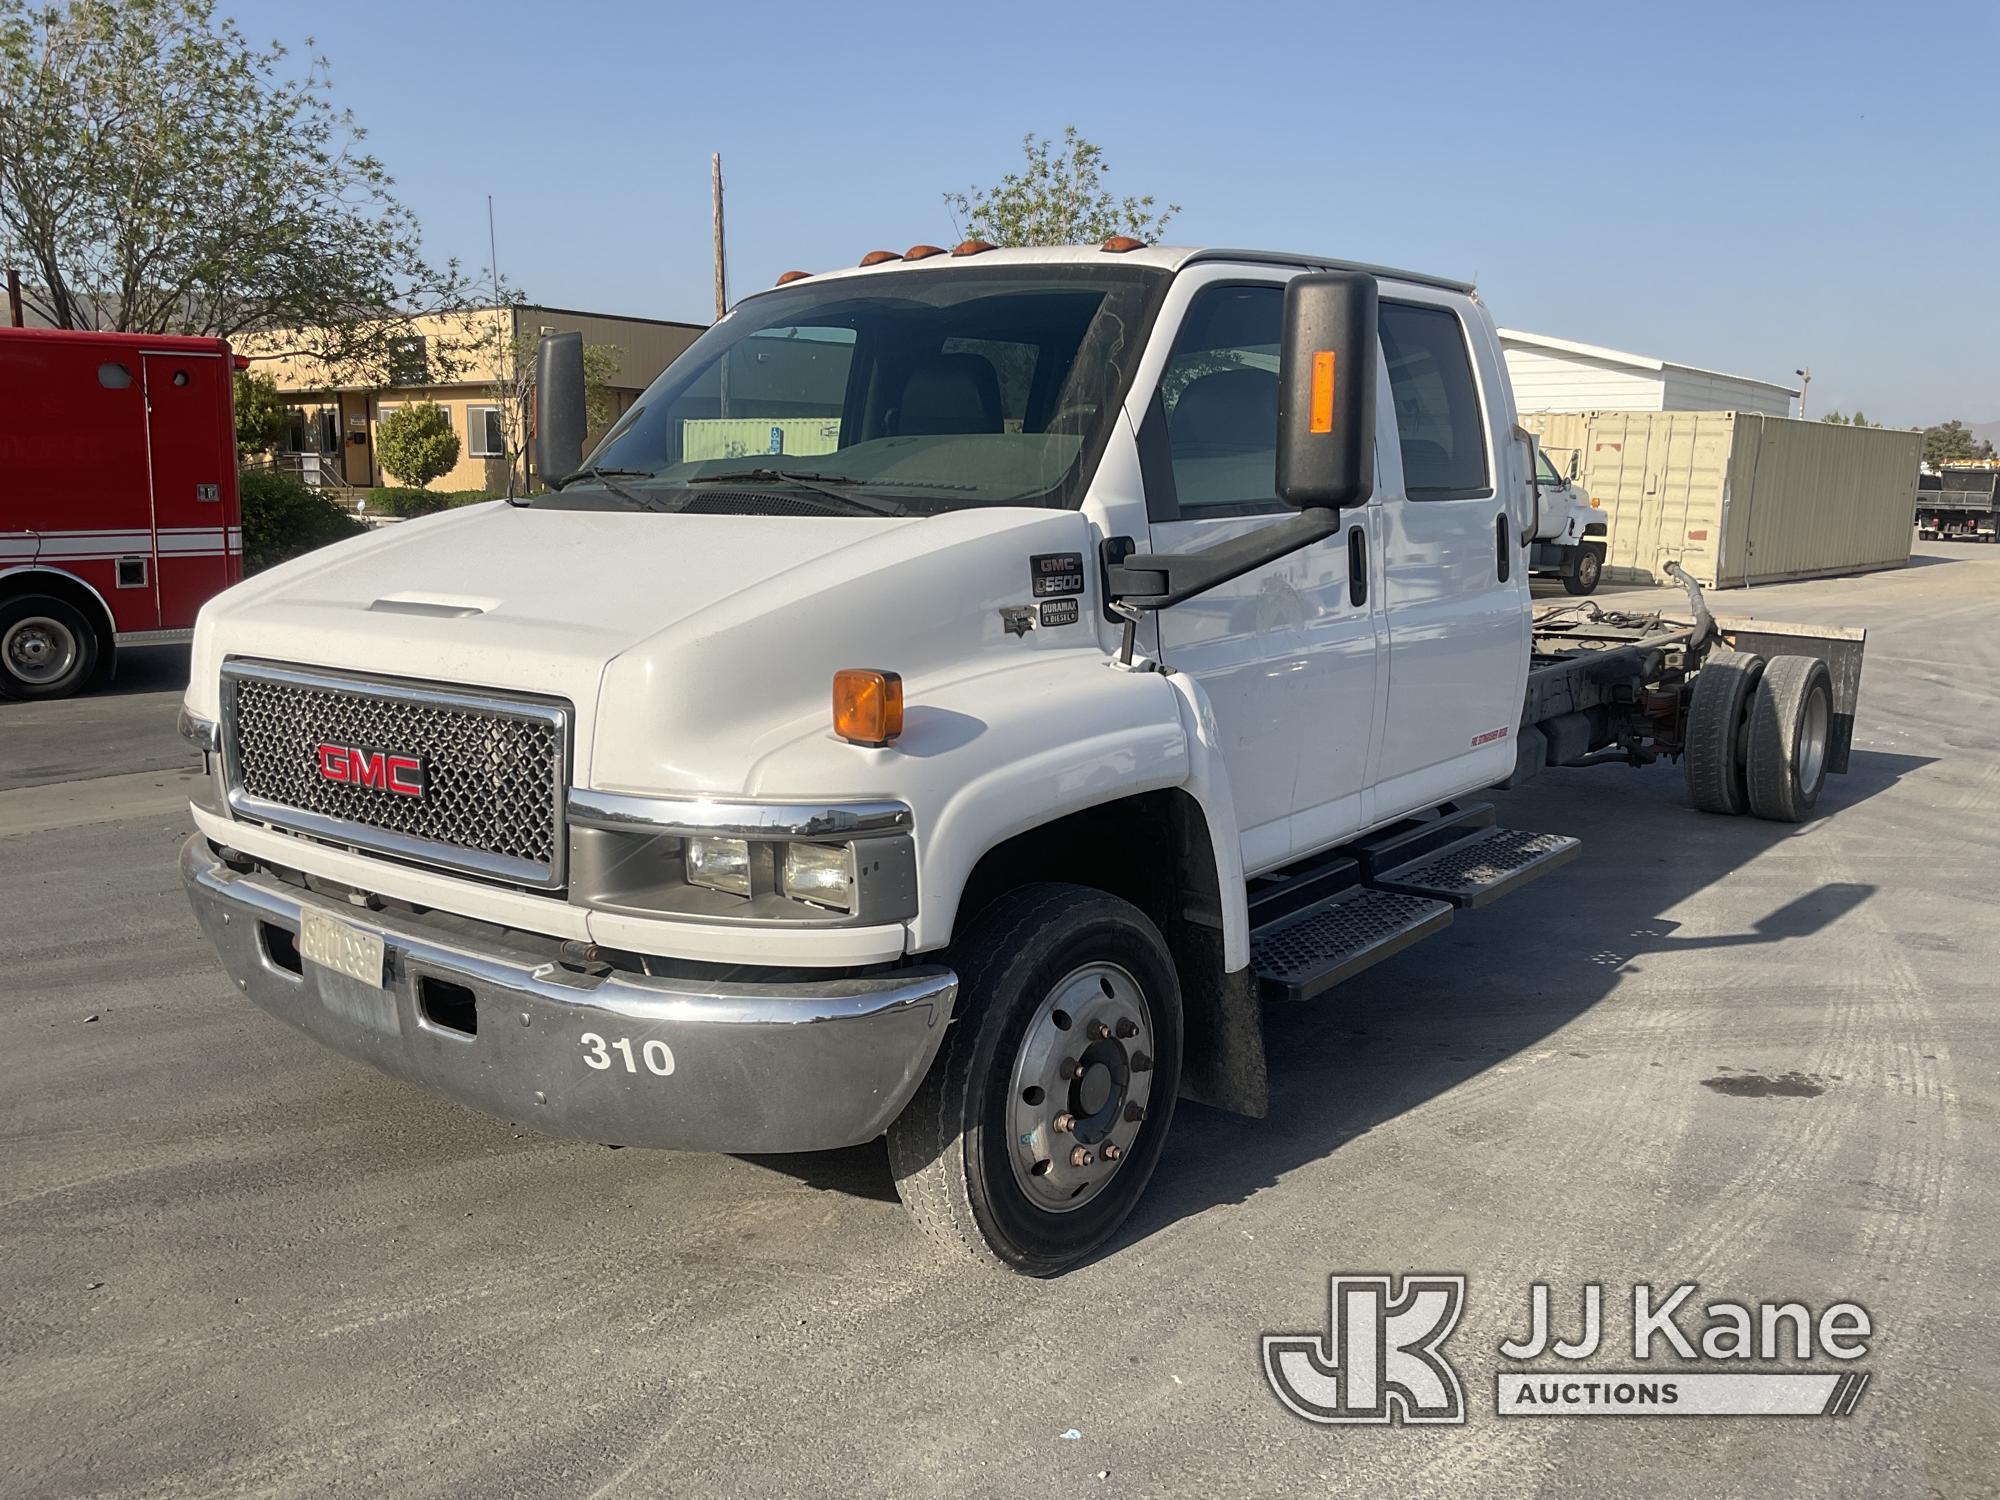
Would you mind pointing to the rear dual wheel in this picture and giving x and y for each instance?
(1759, 735)
(1044, 1114)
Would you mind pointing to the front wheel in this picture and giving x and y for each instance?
(47, 648)
(1042, 1118)
(1589, 569)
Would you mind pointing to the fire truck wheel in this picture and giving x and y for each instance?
(47, 648)
(1716, 737)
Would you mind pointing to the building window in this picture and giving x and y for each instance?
(485, 436)
(329, 430)
(409, 360)
(1438, 416)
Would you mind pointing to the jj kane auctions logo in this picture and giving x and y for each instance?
(1382, 1360)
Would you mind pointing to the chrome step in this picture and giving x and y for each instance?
(1480, 868)
(1299, 956)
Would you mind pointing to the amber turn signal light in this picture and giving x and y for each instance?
(867, 706)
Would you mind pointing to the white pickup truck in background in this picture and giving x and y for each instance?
(1121, 653)
(1571, 534)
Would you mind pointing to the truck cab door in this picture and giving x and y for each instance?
(1454, 573)
(191, 448)
(1286, 653)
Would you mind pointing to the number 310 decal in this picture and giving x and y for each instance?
(656, 1055)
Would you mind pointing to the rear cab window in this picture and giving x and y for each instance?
(1439, 418)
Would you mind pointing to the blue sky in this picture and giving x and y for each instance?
(1750, 187)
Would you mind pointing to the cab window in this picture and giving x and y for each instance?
(1220, 394)
(1438, 415)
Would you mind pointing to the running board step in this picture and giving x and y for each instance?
(1481, 868)
(1300, 956)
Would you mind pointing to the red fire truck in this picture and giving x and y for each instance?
(118, 506)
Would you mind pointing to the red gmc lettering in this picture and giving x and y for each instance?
(401, 774)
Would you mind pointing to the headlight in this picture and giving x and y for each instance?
(720, 864)
(820, 873)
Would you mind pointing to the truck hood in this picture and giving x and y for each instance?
(699, 635)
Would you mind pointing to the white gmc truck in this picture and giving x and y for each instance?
(948, 705)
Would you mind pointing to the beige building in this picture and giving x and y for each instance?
(471, 364)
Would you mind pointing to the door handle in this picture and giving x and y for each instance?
(1357, 566)
(1504, 561)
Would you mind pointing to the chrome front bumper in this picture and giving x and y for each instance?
(753, 1067)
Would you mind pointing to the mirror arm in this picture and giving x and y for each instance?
(1146, 580)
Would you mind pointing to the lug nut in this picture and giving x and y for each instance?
(1127, 1028)
(1080, 1157)
(1070, 1068)
(1142, 1062)
(1065, 1123)
(1099, 1032)
(1111, 1151)
(1135, 1112)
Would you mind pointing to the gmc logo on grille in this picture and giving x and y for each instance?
(402, 774)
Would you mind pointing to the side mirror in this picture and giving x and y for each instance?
(1574, 459)
(1326, 391)
(560, 420)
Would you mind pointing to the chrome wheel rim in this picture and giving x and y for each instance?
(38, 650)
(1081, 1083)
(1809, 756)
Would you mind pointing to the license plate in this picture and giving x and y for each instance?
(343, 949)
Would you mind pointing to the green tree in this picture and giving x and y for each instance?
(1835, 419)
(1057, 198)
(260, 415)
(1948, 442)
(158, 173)
(416, 443)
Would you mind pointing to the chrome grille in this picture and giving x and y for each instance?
(494, 769)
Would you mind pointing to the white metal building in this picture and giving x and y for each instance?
(1560, 375)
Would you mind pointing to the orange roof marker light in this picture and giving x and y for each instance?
(867, 706)
(972, 247)
(1119, 244)
(922, 252)
(876, 257)
(793, 276)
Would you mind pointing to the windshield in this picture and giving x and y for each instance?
(932, 389)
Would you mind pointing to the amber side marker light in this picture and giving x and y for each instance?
(1321, 415)
(867, 706)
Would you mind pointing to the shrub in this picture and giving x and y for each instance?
(409, 503)
(283, 518)
(416, 444)
(260, 415)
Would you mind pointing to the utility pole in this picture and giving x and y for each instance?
(14, 317)
(1805, 384)
(721, 273)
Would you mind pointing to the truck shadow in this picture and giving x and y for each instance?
(1421, 1024)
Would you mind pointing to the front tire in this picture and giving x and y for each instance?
(47, 648)
(1589, 569)
(1790, 734)
(1041, 1121)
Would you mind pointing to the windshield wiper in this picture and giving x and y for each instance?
(606, 478)
(829, 485)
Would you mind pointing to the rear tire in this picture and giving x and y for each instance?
(47, 648)
(1001, 1157)
(1589, 569)
(1715, 739)
(1790, 735)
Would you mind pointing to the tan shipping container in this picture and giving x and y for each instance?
(1739, 497)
